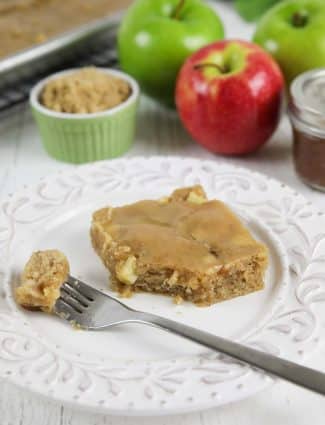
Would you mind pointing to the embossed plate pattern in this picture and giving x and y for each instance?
(135, 370)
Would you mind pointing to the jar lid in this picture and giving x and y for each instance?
(308, 98)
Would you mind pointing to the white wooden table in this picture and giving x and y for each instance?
(23, 161)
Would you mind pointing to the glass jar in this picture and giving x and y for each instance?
(307, 114)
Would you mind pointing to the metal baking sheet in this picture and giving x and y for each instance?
(40, 58)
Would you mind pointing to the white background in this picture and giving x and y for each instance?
(23, 161)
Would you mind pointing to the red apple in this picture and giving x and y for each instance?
(229, 96)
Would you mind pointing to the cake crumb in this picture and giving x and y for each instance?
(40, 38)
(41, 280)
(178, 300)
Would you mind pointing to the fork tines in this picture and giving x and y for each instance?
(75, 297)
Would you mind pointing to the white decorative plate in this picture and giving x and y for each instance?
(137, 370)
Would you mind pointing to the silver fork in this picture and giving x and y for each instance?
(91, 309)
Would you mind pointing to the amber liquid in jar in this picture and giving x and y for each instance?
(309, 158)
(307, 114)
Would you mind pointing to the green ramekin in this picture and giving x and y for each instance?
(80, 138)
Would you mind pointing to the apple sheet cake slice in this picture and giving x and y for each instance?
(182, 245)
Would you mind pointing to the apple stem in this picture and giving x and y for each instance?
(299, 19)
(178, 9)
(223, 69)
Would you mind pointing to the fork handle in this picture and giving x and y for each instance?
(292, 372)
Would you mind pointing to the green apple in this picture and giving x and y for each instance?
(156, 36)
(294, 33)
(251, 10)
